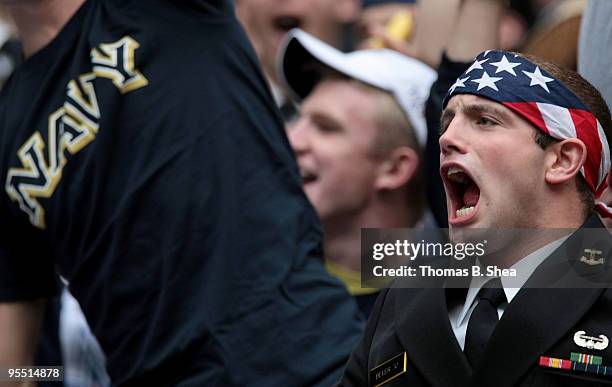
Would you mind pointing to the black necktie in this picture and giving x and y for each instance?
(483, 320)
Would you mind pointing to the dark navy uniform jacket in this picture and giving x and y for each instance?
(537, 323)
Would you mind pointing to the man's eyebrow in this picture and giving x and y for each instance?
(473, 111)
(447, 116)
(329, 121)
(478, 109)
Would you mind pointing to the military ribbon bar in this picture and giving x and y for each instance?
(552, 362)
(585, 359)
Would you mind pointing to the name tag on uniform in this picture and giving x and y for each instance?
(388, 370)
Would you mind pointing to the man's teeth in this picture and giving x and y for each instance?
(457, 174)
(465, 211)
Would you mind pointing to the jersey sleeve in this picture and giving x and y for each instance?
(277, 296)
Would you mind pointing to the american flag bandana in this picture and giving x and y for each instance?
(537, 96)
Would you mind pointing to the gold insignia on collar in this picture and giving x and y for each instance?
(388, 370)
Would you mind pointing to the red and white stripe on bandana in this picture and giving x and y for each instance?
(548, 104)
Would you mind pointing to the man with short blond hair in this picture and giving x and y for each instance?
(358, 142)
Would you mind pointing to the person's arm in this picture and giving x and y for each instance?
(434, 28)
(476, 30)
(20, 324)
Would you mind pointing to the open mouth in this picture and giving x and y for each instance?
(308, 177)
(463, 194)
(286, 23)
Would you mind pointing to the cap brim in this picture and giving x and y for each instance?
(301, 61)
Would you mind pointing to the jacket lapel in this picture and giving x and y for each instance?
(537, 318)
(426, 333)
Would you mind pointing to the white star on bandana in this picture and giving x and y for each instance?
(538, 79)
(477, 65)
(458, 83)
(487, 81)
(505, 65)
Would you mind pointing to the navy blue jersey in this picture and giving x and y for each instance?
(142, 158)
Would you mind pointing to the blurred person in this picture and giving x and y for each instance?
(379, 15)
(48, 352)
(55, 348)
(142, 160)
(358, 143)
(419, 30)
(10, 48)
(267, 21)
(554, 34)
(594, 62)
(422, 29)
(512, 30)
(83, 359)
(595, 33)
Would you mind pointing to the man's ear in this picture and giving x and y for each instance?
(564, 160)
(397, 169)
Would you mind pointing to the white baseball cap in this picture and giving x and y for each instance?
(407, 79)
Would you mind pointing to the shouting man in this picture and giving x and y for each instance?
(523, 146)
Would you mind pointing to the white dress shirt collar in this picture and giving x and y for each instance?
(524, 268)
